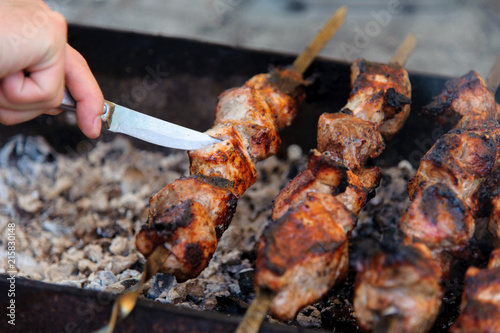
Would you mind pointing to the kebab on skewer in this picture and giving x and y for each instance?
(395, 293)
(480, 306)
(187, 217)
(302, 253)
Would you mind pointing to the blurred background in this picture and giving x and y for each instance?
(454, 36)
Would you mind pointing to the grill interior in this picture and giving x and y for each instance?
(179, 81)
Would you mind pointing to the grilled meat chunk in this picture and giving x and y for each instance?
(487, 198)
(361, 188)
(188, 216)
(381, 94)
(303, 251)
(282, 91)
(322, 175)
(494, 261)
(465, 95)
(461, 159)
(398, 291)
(480, 306)
(440, 220)
(349, 140)
(227, 159)
(303, 254)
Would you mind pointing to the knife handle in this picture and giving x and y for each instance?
(69, 104)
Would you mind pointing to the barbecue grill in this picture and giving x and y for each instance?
(189, 75)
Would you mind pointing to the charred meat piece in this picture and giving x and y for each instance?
(381, 94)
(465, 95)
(303, 251)
(487, 198)
(494, 261)
(440, 220)
(228, 159)
(303, 254)
(398, 291)
(361, 188)
(461, 159)
(188, 216)
(282, 90)
(349, 140)
(321, 176)
(480, 306)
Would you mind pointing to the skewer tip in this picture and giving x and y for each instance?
(322, 37)
(256, 313)
(405, 49)
(493, 78)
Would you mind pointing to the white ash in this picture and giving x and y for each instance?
(77, 215)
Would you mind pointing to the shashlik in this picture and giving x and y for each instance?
(188, 216)
(303, 252)
(480, 306)
(441, 215)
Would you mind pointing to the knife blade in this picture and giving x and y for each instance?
(119, 119)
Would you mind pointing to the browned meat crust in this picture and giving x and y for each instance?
(381, 94)
(480, 306)
(460, 97)
(349, 141)
(303, 254)
(398, 292)
(322, 176)
(461, 159)
(440, 217)
(441, 221)
(303, 251)
(188, 216)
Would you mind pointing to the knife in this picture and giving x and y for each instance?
(119, 119)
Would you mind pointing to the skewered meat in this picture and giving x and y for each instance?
(382, 299)
(440, 217)
(461, 97)
(459, 162)
(461, 159)
(355, 140)
(488, 199)
(441, 221)
(381, 94)
(480, 306)
(188, 216)
(302, 253)
(284, 253)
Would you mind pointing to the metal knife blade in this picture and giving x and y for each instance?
(119, 119)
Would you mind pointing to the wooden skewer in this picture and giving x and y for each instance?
(126, 302)
(493, 79)
(307, 56)
(256, 313)
(260, 305)
(405, 49)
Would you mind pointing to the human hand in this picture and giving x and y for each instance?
(36, 63)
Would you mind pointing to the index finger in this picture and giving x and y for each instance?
(86, 92)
